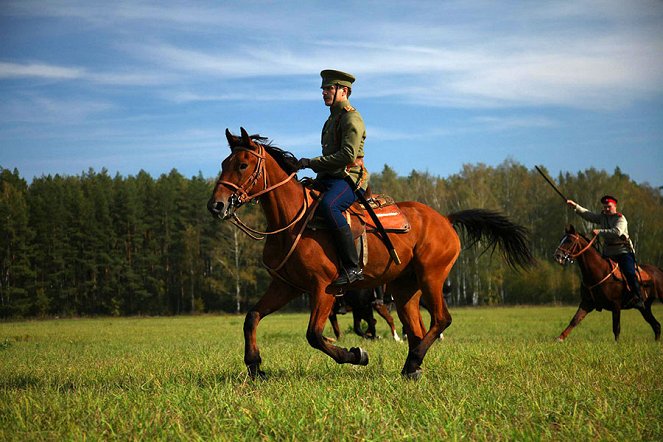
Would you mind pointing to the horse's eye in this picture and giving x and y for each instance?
(243, 166)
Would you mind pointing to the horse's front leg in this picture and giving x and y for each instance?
(357, 316)
(579, 316)
(371, 331)
(321, 305)
(384, 312)
(277, 295)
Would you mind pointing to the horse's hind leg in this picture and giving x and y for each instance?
(276, 296)
(649, 317)
(321, 305)
(406, 296)
(431, 278)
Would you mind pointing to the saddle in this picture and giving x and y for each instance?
(386, 209)
(391, 217)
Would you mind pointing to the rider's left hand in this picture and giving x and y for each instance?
(303, 163)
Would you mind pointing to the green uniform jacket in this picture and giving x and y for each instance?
(342, 141)
(614, 231)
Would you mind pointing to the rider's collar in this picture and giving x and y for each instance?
(337, 107)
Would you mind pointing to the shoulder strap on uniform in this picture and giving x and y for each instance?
(349, 108)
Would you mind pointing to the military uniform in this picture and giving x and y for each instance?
(614, 231)
(342, 140)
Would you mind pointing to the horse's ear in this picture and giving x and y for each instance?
(246, 139)
(232, 139)
(570, 229)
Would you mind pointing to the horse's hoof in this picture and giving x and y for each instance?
(362, 356)
(414, 376)
(256, 373)
(560, 339)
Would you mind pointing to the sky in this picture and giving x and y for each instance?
(137, 85)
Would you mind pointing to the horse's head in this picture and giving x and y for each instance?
(569, 247)
(240, 172)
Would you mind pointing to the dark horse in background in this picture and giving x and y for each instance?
(302, 260)
(361, 304)
(600, 289)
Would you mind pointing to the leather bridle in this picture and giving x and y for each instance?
(569, 254)
(241, 193)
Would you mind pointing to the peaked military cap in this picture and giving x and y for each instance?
(605, 199)
(331, 77)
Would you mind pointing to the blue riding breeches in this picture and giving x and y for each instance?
(338, 197)
(626, 263)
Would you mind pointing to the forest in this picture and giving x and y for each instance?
(96, 244)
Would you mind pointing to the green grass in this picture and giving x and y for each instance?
(498, 375)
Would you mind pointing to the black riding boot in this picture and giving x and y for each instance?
(634, 299)
(345, 246)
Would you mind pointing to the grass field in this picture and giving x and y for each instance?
(498, 375)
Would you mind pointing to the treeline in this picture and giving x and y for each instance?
(100, 245)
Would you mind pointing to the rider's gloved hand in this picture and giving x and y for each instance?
(303, 163)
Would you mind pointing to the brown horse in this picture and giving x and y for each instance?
(302, 260)
(600, 289)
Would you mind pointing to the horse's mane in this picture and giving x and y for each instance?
(285, 159)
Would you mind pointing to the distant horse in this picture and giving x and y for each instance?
(360, 304)
(600, 289)
(302, 260)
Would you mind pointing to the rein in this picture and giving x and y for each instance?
(576, 241)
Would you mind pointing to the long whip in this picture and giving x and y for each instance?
(552, 184)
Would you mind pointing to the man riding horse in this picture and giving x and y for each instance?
(617, 244)
(343, 136)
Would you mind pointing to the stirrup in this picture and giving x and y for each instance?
(634, 302)
(348, 276)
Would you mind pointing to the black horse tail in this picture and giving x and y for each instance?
(498, 231)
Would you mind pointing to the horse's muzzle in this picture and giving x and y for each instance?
(218, 209)
(562, 258)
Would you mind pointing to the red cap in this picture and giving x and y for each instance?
(608, 199)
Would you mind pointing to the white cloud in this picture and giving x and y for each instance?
(44, 110)
(43, 70)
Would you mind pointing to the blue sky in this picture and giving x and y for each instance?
(153, 85)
